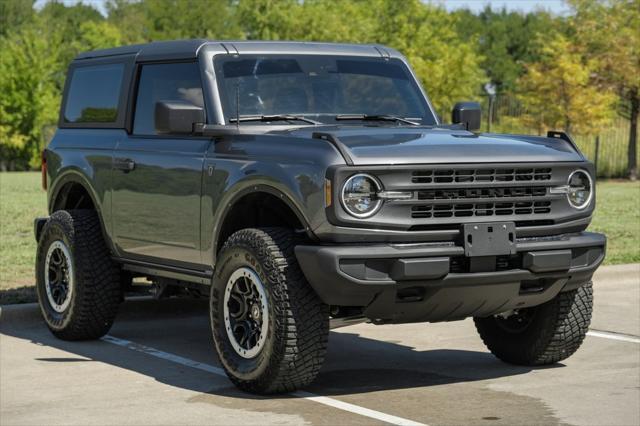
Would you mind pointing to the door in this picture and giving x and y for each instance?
(157, 180)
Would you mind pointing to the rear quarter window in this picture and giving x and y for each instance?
(94, 94)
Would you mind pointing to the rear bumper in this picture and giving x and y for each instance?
(436, 282)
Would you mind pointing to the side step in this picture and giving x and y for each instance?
(164, 271)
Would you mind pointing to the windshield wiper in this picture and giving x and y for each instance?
(374, 117)
(274, 117)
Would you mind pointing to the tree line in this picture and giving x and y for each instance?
(573, 72)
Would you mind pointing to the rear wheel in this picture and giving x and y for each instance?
(543, 334)
(78, 285)
(269, 327)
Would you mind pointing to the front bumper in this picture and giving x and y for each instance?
(436, 282)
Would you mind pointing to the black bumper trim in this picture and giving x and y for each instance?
(324, 267)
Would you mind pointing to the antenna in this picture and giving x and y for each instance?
(238, 105)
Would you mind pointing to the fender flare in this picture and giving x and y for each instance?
(257, 188)
(76, 177)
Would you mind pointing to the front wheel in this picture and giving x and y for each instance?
(269, 327)
(543, 334)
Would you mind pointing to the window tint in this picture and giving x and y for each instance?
(94, 93)
(165, 82)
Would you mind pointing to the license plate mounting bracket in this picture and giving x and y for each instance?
(489, 239)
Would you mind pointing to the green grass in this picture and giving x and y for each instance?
(21, 199)
(618, 216)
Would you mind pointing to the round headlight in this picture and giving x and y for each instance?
(359, 195)
(580, 189)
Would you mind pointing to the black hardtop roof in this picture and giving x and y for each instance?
(188, 49)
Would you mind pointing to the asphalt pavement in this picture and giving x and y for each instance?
(157, 366)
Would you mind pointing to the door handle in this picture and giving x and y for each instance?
(124, 164)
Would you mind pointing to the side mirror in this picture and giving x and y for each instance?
(467, 114)
(177, 117)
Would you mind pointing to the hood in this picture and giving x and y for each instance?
(405, 145)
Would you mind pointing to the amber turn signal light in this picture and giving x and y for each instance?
(328, 194)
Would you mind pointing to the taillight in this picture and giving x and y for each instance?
(44, 169)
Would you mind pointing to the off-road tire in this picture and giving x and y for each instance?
(96, 286)
(298, 329)
(555, 332)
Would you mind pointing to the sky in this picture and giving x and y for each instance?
(555, 6)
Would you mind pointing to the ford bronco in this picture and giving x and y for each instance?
(304, 186)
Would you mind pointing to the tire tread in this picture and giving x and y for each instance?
(548, 340)
(97, 277)
(301, 317)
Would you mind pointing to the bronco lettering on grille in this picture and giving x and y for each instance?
(453, 194)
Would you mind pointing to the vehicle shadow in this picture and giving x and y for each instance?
(354, 365)
(24, 294)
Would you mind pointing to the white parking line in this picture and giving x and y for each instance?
(613, 336)
(164, 355)
(344, 406)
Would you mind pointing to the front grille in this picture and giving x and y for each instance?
(480, 209)
(481, 175)
(468, 192)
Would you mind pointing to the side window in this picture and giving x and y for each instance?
(93, 94)
(165, 82)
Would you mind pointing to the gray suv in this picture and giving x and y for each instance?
(303, 186)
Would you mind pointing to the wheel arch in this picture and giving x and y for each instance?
(247, 208)
(71, 194)
(71, 191)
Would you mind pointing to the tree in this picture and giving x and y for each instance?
(30, 99)
(130, 19)
(65, 25)
(96, 35)
(33, 67)
(14, 14)
(608, 32)
(353, 21)
(152, 20)
(269, 19)
(448, 67)
(12, 147)
(558, 91)
(506, 40)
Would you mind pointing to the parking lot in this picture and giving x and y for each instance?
(157, 366)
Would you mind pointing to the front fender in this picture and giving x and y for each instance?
(301, 191)
(290, 168)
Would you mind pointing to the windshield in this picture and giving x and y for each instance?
(319, 87)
